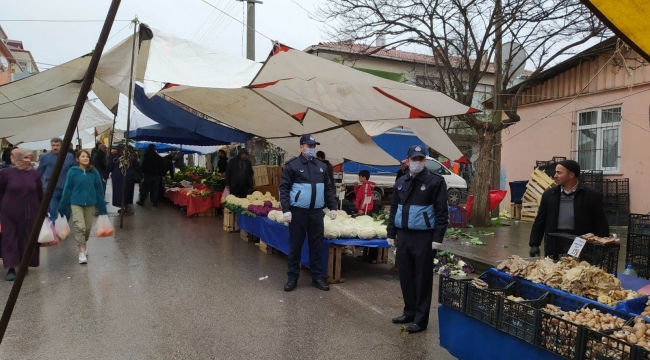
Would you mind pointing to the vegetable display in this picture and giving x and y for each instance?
(448, 264)
(580, 278)
(256, 204)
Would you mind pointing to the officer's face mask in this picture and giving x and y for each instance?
(416, 167)
(310, 152)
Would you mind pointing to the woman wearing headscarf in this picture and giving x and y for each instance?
(84, 193)
(114, 168)
(21, 194)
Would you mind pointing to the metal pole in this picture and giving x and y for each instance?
(42, 210)
(250, 28)
(250, 31)
(498, 106)
(110, 143)
(126, 152)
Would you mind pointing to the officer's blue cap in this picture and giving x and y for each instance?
(415, 151)
(308, 139)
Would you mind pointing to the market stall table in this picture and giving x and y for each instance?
(194, 204)
(277, 236)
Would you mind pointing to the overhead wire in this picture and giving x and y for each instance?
(222, 21)
(230, 16)
(213, 26)
(202, 25)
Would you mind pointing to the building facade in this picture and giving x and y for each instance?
(15, 61)
(593, 108)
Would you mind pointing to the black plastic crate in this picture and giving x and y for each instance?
(484, 305)
(616, 217)
(604, 256)
(642, 353)
(601, 346)
(567, 303)
(520, 319)
(640, 263)
(557, 159)
(616, 187)
(453, 292)
(559, 336)
(540, 163)
(639, 224)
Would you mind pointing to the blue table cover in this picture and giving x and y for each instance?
(277, 236)
(469, 339)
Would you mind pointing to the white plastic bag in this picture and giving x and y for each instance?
(104, 226)
(46, 235)
(62, 227)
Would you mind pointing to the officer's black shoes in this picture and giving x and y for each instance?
(320, 285)
(402, 320)
(290, 285)
(414, 328)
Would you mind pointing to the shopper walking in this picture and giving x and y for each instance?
(152, 169)
(305, 189)
(571, 207)
(239, 175)
(419, 219)
(130, 165)
(83, 192)
(45, 168)
(21, 194)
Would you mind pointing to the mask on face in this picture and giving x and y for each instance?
(310, 152)
(416, 167)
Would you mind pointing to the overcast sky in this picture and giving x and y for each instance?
(55, 43)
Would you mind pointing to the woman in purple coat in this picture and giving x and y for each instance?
(21, 193)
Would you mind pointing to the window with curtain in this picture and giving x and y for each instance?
(598, 139)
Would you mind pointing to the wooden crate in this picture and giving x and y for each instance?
(539, 182)
(334, 264)
(207, 213)
(230, 221)
(248, 237)
(262, 180)
(376, 255)
(274, 175)
(265, 248)
(515, 211)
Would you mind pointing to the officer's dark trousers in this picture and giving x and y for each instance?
(415, 258)
(303, 222)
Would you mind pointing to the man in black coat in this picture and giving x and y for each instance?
(239, 175)
(222, 164)
(571, 207)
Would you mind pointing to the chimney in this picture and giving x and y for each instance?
(381, 40)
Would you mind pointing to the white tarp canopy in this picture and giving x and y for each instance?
(292, 93)
(271, 100)
(86, 136)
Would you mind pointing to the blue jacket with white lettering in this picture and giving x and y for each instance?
(306, 184)
(419, 203)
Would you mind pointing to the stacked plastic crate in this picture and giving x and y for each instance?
(638, 244)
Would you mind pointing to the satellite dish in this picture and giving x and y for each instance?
(3, 62)
(515, 54)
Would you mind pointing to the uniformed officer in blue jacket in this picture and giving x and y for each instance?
(305, 189)
(419, 219)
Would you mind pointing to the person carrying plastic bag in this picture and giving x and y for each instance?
(83, 190)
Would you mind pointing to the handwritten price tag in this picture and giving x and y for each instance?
(342, 195)
(576, 247)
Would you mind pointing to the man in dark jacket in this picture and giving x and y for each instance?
(305, 190)
(418, 219)
(99, 162)
(330, 169)
(571, 207)
(152, 169)
(239, 175)
(404, 169)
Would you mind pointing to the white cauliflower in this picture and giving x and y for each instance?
(331, 231)
(367, 233)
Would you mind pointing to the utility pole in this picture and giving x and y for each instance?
(250, 28)
(498, 108)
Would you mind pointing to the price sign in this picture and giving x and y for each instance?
(576, 247)
(342, 195)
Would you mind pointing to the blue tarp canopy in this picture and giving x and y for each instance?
(396, 143)
(164, 148)
(168, 134)
(166, 113)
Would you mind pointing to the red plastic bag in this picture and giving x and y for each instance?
(496, 197)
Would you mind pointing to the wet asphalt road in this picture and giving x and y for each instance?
(171, 287)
